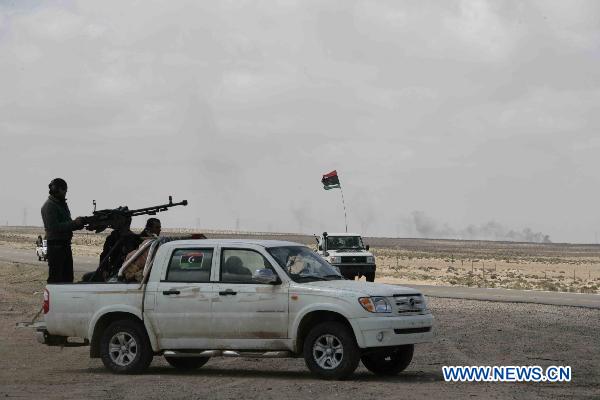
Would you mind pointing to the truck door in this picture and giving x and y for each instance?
(182, 310)
(243, 308)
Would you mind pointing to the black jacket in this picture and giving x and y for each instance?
(57, 219)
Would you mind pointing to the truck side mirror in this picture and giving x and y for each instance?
(367, 247)
(265, 276)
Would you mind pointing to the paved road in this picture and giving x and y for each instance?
(80, 263)
(87, 263)
(512, 296)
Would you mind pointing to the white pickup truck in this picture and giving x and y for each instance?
(257, 298)
(347, 252)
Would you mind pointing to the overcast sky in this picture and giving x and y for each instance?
(445, 118)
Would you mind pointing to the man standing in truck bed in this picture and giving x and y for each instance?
(59, 231)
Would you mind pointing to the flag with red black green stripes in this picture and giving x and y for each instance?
(331, 181)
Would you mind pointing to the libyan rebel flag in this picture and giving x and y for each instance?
(331, 181)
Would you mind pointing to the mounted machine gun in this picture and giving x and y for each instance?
(102, 219)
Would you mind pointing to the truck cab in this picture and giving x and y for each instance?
(348, 253)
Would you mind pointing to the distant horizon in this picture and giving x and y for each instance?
(274, 233)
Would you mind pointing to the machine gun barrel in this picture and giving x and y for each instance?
(156, 209)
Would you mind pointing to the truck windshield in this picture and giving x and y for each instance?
(302, 264)
(344, 242)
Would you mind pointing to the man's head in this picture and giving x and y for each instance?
(58, 188)
(153, 226)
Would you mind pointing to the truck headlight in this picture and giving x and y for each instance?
(370, 260)
(335, 259)
(375, 304)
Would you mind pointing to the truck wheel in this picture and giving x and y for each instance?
(390, 361)
(187, 363)
(330, 351)
(125, 348)
(370, 276)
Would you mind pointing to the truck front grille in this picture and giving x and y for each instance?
(408, 304)
(354, 259)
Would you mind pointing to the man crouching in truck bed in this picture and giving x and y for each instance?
(117, 245)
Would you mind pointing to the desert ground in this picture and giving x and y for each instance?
(467, 333)
(548, 266)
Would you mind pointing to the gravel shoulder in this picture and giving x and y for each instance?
(467, 333)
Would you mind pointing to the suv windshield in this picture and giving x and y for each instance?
(344, 242)
(302, 264)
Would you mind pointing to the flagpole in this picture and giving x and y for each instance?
(344, 204)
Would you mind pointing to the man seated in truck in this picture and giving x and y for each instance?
(117, 245)
(152, 228)
(299, 265)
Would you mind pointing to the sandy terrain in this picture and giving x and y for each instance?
(564, 274)
(552, 267)
(467, 333)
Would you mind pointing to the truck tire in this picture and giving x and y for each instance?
(389, 361)
(370, 276)
(187, 363)
(125, 348)
(330, 351)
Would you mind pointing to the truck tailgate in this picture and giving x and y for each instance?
(72, 307)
